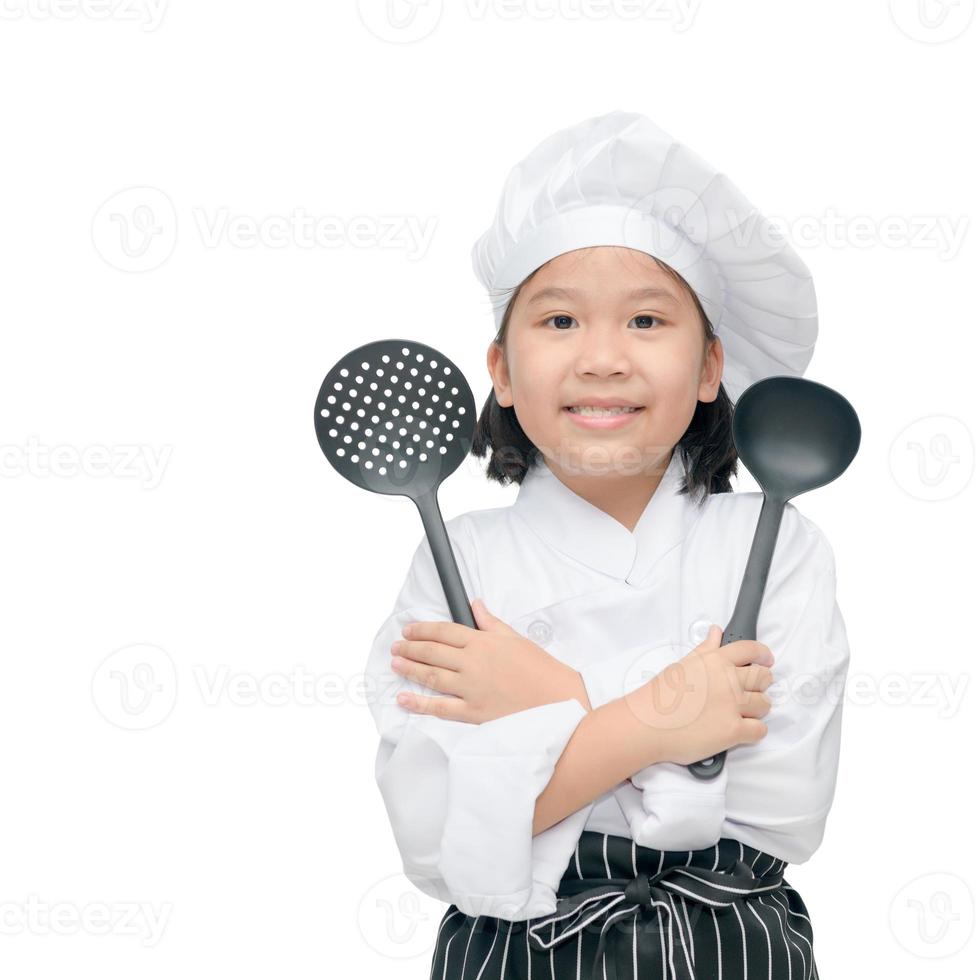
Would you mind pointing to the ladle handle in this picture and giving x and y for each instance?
(745, 618)
(442, 553)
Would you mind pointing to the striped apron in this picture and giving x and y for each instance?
(627, 912)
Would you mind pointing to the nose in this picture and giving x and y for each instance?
(603, 352)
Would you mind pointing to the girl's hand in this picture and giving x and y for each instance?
(708, 701)
(488, 672)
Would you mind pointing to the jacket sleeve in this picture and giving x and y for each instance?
(460, 797)
(783, 785)
(673, 810)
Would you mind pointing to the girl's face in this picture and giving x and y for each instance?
(604, 326)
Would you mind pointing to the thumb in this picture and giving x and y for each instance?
(713, 640)
(485, 620)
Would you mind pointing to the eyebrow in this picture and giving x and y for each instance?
(642, 292)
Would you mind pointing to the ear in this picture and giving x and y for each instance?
(497, 366)
(714, 364)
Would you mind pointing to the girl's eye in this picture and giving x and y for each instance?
(560, 316)
(562, 320)
(647, 316)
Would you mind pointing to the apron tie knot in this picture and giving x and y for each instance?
(587, 900)
(637, 892)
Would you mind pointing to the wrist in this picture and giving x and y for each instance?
(576, 689)
(648, 724)
(640, 744)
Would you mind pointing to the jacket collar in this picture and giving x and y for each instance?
(576, 528)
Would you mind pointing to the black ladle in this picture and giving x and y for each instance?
(793, 435)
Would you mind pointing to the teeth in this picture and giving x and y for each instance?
(592, 410)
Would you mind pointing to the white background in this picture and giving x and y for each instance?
(165, 501)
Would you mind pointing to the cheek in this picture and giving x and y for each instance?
(676, 403)
(531, 370)
(675, 375)
(536, 404)
(535, 389)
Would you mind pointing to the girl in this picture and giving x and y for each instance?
(535, 770)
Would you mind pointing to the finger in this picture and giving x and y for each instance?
(452, 634)
(427, 652)
(755, 677)
(754, 705)
(450, 708)
(435, 678)
(752, 731)
(743, 652)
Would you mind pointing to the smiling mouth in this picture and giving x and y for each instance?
(594, 412)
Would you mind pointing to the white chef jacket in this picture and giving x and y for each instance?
(618, 606)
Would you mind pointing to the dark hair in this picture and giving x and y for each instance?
(707, 449)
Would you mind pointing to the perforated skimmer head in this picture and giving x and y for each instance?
(395, 416)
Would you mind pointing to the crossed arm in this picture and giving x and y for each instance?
(609, 745)
(505, 672)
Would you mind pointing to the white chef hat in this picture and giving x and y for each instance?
(618, 179)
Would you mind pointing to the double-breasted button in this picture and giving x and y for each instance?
(698, 631)
(540, 632)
